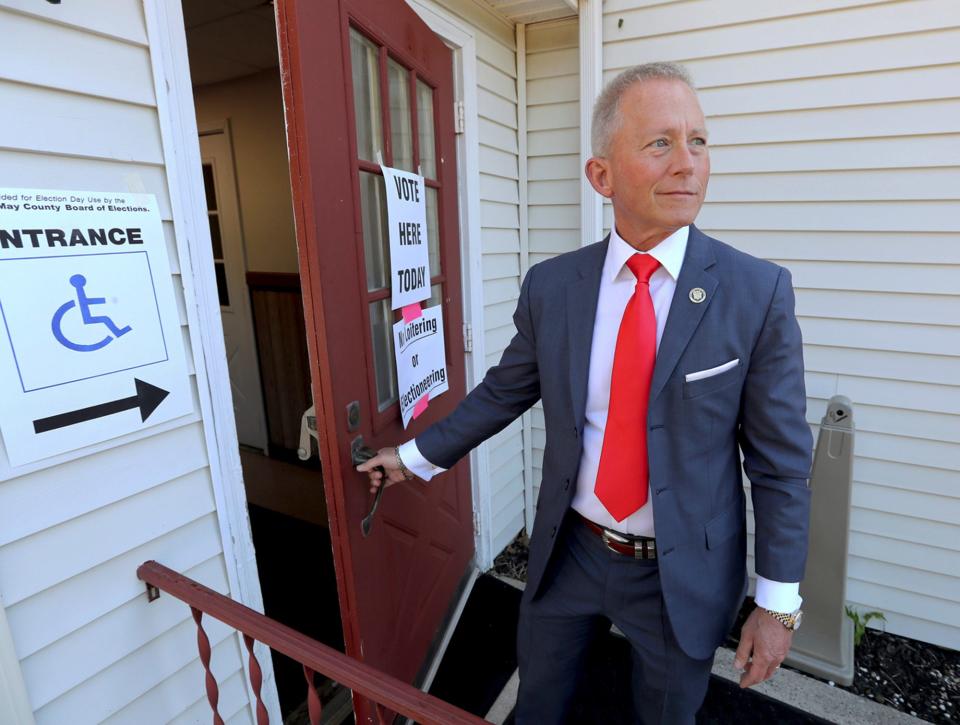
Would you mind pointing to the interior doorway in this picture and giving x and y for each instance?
(232, 48)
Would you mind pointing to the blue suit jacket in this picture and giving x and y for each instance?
(695, 428)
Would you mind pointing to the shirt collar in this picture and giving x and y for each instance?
(669, 253)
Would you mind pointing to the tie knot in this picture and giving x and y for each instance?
(642, 266)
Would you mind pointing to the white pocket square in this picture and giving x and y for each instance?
(710, 372)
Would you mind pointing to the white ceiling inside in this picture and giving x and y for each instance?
(229, 38)
(233, 38)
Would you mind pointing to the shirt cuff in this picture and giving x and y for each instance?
(778, 596)
(413, 459)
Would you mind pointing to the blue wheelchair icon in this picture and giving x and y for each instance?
(84, 303)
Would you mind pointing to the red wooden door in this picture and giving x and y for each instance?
(362, 77)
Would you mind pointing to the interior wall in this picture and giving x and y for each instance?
(254, 107)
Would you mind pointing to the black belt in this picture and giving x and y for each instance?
(639, 547)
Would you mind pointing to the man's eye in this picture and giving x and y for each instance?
(660, 143)
(700, 141)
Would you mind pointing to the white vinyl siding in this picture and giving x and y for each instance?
(833, 127)
(553, 160)
(73, 529)
(500, 238)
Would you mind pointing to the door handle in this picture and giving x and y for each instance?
(360, 453)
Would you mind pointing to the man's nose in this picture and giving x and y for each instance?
(683, 160)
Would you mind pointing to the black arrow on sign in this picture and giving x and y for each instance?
(147, 399)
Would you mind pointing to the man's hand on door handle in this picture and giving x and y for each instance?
(387, 459)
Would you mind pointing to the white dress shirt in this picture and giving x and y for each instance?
(617, 284)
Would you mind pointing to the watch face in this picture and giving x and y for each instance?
(797, 617)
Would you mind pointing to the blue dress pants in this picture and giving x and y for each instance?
(585, 586)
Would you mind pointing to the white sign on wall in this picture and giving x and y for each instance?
(90, 343)
(407, 222)
(421, 362)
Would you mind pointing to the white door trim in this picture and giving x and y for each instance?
(14, 702)
(460, 36)
(181, 147)
(591, 83)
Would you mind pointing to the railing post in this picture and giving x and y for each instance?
(203, 644)
(256, 680)
(313, 698)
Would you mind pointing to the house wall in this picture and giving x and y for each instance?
(500, 234)
(553, 160)
(835, 153)
(74, 528)
(254, 107)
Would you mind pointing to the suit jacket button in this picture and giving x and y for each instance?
(553, 532)
(576, 433)
(566, 484)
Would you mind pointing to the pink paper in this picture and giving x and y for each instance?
(411, 312)
(421, 405)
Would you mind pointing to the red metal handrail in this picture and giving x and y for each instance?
(383, 689)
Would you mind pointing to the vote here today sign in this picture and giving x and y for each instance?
(407, 222)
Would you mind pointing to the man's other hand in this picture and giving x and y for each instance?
(386, 458)
(764, 641)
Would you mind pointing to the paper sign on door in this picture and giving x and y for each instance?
(407, 221)
(421, 363)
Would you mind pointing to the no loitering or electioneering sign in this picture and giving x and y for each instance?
(90, 342)
(421, 361)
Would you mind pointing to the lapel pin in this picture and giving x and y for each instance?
(697, 295)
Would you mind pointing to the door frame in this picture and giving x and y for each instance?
(167, 40)
(168, 52)
(14, 701)
(460, 37)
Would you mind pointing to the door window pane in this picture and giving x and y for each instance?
(376, 242)
(208, 186)
(401, 127)
(428, 143)
(384, 365)
(364, 64)
(213, 216)
(433, 232)
(436, 292)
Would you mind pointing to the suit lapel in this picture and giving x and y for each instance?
(685, 315)
(582, 296)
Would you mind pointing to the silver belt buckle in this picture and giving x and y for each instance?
(607, 535)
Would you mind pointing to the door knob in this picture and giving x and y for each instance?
(360, 453)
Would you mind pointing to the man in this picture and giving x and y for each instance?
(659, 354)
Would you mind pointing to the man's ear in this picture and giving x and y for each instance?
(597, 170)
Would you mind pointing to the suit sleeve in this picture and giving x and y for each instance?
(776, 441)
(507, 390)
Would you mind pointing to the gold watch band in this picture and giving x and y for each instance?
(786, 619)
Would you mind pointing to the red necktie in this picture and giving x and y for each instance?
(622, 475)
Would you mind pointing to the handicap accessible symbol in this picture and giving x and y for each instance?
(84, 302)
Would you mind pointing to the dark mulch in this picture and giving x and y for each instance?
(915, 677)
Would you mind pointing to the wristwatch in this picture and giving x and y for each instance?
(789, 620)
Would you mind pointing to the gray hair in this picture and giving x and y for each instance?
(606, 110)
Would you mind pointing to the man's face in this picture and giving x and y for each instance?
(657, 164)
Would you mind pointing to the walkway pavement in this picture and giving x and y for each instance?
(787, 686)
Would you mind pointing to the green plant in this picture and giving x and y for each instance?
(860, 622)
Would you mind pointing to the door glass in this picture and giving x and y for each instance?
(385, 367)
(428, 144)
(400, 117)
(364, 63)
(213, 215)
(436, 292)
(376, 242)
(433, 232)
